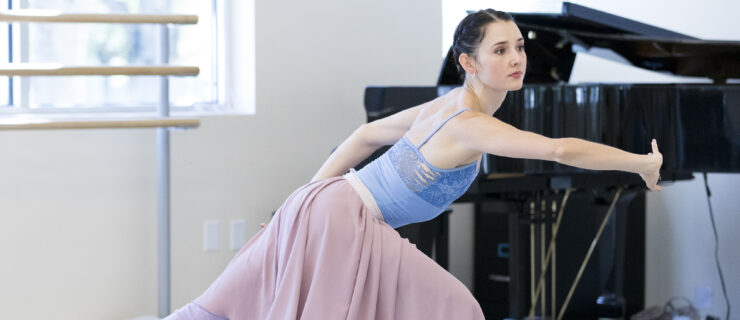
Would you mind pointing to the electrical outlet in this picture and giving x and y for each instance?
(703, 297)
(238, 234)
(210, 236)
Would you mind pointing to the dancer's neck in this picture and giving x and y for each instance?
(486, 99)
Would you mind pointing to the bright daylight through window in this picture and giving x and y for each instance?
(112, 44)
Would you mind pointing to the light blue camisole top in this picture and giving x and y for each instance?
(409, 189)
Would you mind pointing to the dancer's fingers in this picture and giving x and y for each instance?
(655, 147)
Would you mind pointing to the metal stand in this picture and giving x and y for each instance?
(163, 183)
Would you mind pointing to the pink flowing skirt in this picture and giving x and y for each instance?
(325, 256)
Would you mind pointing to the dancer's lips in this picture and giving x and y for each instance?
(516, 75)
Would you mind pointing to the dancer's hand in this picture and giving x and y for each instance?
(651, 174)
(262, 225)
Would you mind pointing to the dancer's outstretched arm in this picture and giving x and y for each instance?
(365, 140)
(487, 134)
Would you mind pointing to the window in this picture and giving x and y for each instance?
(83, 44)
(4, 51)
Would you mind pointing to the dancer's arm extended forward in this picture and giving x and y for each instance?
(487, 134)
(365, 140)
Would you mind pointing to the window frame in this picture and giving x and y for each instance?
(19, 88)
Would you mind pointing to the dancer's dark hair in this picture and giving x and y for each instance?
(471, 30)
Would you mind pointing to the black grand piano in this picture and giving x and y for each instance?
(521, 204)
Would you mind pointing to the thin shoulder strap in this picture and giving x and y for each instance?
(440, 126)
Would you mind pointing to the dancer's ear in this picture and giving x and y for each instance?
(467, 62)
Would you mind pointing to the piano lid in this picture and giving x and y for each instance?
(552, 38)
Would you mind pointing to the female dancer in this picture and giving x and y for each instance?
(331, 251)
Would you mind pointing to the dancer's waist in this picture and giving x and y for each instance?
(365, 195)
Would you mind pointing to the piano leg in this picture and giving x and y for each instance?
(617, 271)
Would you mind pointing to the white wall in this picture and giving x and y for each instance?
(77, 208)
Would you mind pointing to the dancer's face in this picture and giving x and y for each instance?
(500, 60)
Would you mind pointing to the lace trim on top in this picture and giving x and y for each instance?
(437, 186)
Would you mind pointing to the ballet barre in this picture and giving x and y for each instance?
(55, 69)
(54, 16)
(31, 124)
(162, 122)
